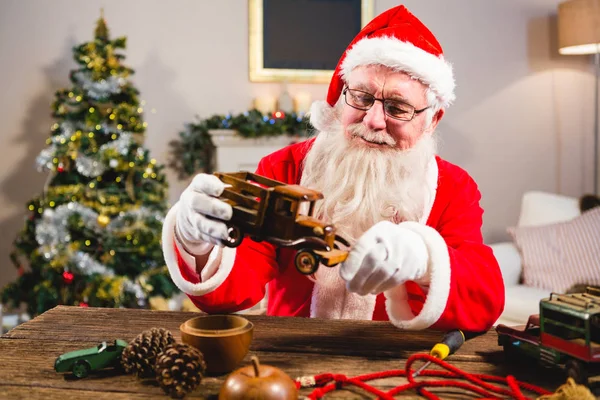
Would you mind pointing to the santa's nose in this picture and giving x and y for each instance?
(375, 118)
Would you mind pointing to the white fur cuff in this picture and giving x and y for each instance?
(219, 259)
(397, 306)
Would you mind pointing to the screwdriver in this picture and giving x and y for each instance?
(449, 344)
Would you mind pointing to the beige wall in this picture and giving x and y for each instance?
(522, 120)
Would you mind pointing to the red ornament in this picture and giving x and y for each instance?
(20, 270)
(67, 277)
(82, 304)
(278, 115)
(60, 168)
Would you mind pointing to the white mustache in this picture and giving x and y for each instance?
(380, 137)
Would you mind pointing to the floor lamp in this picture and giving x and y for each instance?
(579, 33)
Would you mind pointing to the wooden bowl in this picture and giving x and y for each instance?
(224, 340)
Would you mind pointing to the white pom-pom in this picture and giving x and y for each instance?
(322, 115)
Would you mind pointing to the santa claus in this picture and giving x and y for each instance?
(413, 220)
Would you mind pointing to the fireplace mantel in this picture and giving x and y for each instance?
(236, 153)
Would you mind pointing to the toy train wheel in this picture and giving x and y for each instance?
(576, 369)
(234, 237)
(81, 369)
(307, 262)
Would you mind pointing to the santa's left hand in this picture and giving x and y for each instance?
(385, 256)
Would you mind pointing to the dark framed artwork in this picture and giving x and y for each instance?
(302, 40)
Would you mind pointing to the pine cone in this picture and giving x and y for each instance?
(179, 369)
(139, 356)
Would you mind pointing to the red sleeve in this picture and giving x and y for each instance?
(476, 297)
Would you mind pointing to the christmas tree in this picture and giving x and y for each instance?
(92, 237)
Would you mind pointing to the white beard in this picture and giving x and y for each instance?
(363, 185)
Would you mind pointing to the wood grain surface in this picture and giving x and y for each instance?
(299, 346)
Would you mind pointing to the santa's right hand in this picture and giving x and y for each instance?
(200, 214)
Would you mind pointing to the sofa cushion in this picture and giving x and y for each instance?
(509, 260)
(541, 208)
(561, 255)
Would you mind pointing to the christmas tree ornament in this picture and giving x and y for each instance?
(103, 220)
(67, 277)
(258, 381)
(179, 369)
(140, 354)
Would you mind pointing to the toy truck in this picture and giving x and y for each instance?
(281, 214)
(565, 333)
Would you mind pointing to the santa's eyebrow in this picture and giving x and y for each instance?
(397, 97)
(360, 86)
(394, 96)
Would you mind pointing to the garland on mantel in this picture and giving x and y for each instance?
(194, 151)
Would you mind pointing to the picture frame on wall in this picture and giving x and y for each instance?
(302, 40)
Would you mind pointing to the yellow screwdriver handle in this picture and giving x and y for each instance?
(451, 342)
(440, 351)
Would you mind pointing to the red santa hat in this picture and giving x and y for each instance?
(398, 40)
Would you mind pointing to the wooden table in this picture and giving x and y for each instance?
(299, 346)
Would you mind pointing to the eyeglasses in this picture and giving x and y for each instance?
(392, 108)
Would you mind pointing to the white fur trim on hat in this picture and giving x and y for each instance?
(396, 303)
(433, 71)
(220, 259)
(322, 115)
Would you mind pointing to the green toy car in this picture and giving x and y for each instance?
(81, 362)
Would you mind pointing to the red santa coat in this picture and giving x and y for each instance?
(465, 291)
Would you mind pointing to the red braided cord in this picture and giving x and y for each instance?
(480, 386)
(456, 372)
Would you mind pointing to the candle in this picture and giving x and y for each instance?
(302, 102)
(265, 104)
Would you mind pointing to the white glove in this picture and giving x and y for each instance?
(385, 256)
(197, 233)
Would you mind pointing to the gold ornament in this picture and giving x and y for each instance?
(112, 62)
(101, 31)
(103, 220)
(106, 258)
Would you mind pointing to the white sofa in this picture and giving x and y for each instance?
(537, 208)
